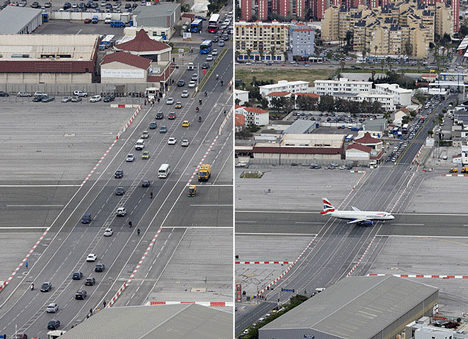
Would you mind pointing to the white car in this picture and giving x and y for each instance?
(214, 52)
(170, 101)
(121, 212)
(130, 157)
(52, 308)
(185, 94)
(91, 257)
(172, 141)
(95, 98)
(192, 84)
(23, 94)
(108, 232)
(79, 93)
(66, 99)
(209, 57)
(184, 143)
(107, 20)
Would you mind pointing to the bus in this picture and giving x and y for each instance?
(205, 47)
(213, 23)
(106, 42)
(405, 128)
(196, 26)
(164, 171)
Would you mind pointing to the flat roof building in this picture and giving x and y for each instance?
(19, 20)
(356, 308)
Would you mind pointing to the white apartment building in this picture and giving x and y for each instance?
(243, 96)
(254, 115)
(386, 100)
(343, 85)
(401, 96)
(285, 86)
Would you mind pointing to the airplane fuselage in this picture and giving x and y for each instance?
(361, 215)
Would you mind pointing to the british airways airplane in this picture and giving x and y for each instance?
(356, 216)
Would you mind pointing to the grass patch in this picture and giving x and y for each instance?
(277, 74)
(251, 174)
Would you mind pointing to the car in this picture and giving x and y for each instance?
(53, 324)
(180, 83)
(119, 191)
(221, 43)
(185, 123)
(80, 295)
(91, 257)
(163, 129)
(108, 232)
(23, 94)
(209, 57)
(46, 287)
(145, 155)
(192, 84)
(145, 135)
(171, 116)
(52, 308)
(145, 183)
(118, 174)
(90, 281)
(35, 4)
(205, 65)
(37, 99)
(77, 276)
(172, 141)
(48, 99)
(87, 20)
(178, 105)
(214, 51)
(99, 268)
(121, 212)
(170, 101)
(215, 38)
(66, 99)
(86, 218)
(153, 125)
(76, 99)
(184, 94)
(225, 37)
(159, 115)
(109, 98)
(194, 77)
(184, 143)
(79, 93)
(130, 157)
(95, 98)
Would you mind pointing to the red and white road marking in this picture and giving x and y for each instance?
(5, 283)
(432, 276)
(203, 303)
(362, 256)
(263, 262)
(454, 175)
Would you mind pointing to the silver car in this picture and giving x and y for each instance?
(52, 308)
(185, 94)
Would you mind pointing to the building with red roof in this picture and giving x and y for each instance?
(254, 115)
(239, 122)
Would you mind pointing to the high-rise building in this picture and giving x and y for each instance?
(246, 9)
(262, 10)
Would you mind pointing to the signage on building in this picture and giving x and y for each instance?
(123, 73)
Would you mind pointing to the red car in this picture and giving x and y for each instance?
(87, 21)
(171, 116)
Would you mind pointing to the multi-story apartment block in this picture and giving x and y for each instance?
(285, 86)
(262, 41)
(302, 40)
(401, 96)
(343, 85)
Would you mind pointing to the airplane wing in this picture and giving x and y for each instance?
(355, 209)
(356, 221)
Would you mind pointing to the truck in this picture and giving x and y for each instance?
(464, 170)
(204, 172)
(453, 170)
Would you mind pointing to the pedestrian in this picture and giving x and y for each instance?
(91, 311)
(159, 100)
(26, 264)
(151, 195)
(130, 224)
(138, 231)
(104, 303)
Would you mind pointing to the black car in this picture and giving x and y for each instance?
(67, 5)
(35, 4)
(46, 287)
(77, 276)
(4, 94)
(145, 183)
(37, 99)
(80, 295)
(215, 38)
(53, 324)
(119, 191)
(153, 125)
(118, 174)
(225, 37)
(90, 281)
(205, 65)
(109, 98)
(159, 115)
(99, 268)
(86, 218)
(180, 83)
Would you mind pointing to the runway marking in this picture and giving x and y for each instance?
(246, 221)
(432, 276)
(408, 224)
(276, 211)
(309, 222)
(212, 205)
(262, 262)
(227, 227)
(34, 205)
(27, 186)
(279, 234)
(210, 185)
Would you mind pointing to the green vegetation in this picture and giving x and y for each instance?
(276, 74)
(251, 174)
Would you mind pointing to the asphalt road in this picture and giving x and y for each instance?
(71, 241)
(338, 245)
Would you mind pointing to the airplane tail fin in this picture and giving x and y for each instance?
(327, 206)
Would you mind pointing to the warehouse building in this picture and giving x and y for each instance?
(356, 308)
(19, 20)
(181, 321)
(48, 58)
(159, 19)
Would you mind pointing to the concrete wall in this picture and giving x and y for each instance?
(10, 79)
(80, 16)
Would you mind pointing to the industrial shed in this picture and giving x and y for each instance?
(19, 20)
(181, 321)
(356, 308)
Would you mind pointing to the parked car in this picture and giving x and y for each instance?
(109, 98)
(23, 94)
(79, 93)
(47, 99)
(95, 98)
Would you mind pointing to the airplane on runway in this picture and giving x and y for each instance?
(356, 216)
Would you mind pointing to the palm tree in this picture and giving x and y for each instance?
(237, 55)
(272, 52)
(249, 52)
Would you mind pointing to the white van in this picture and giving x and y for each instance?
(140, 144)
(163, 171)
(190, 66)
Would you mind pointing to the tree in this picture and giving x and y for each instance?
(272, 52)
(249, 52)
(260, 51)
(237, 53)
(408, 48)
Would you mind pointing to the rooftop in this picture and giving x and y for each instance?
(13, 19)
